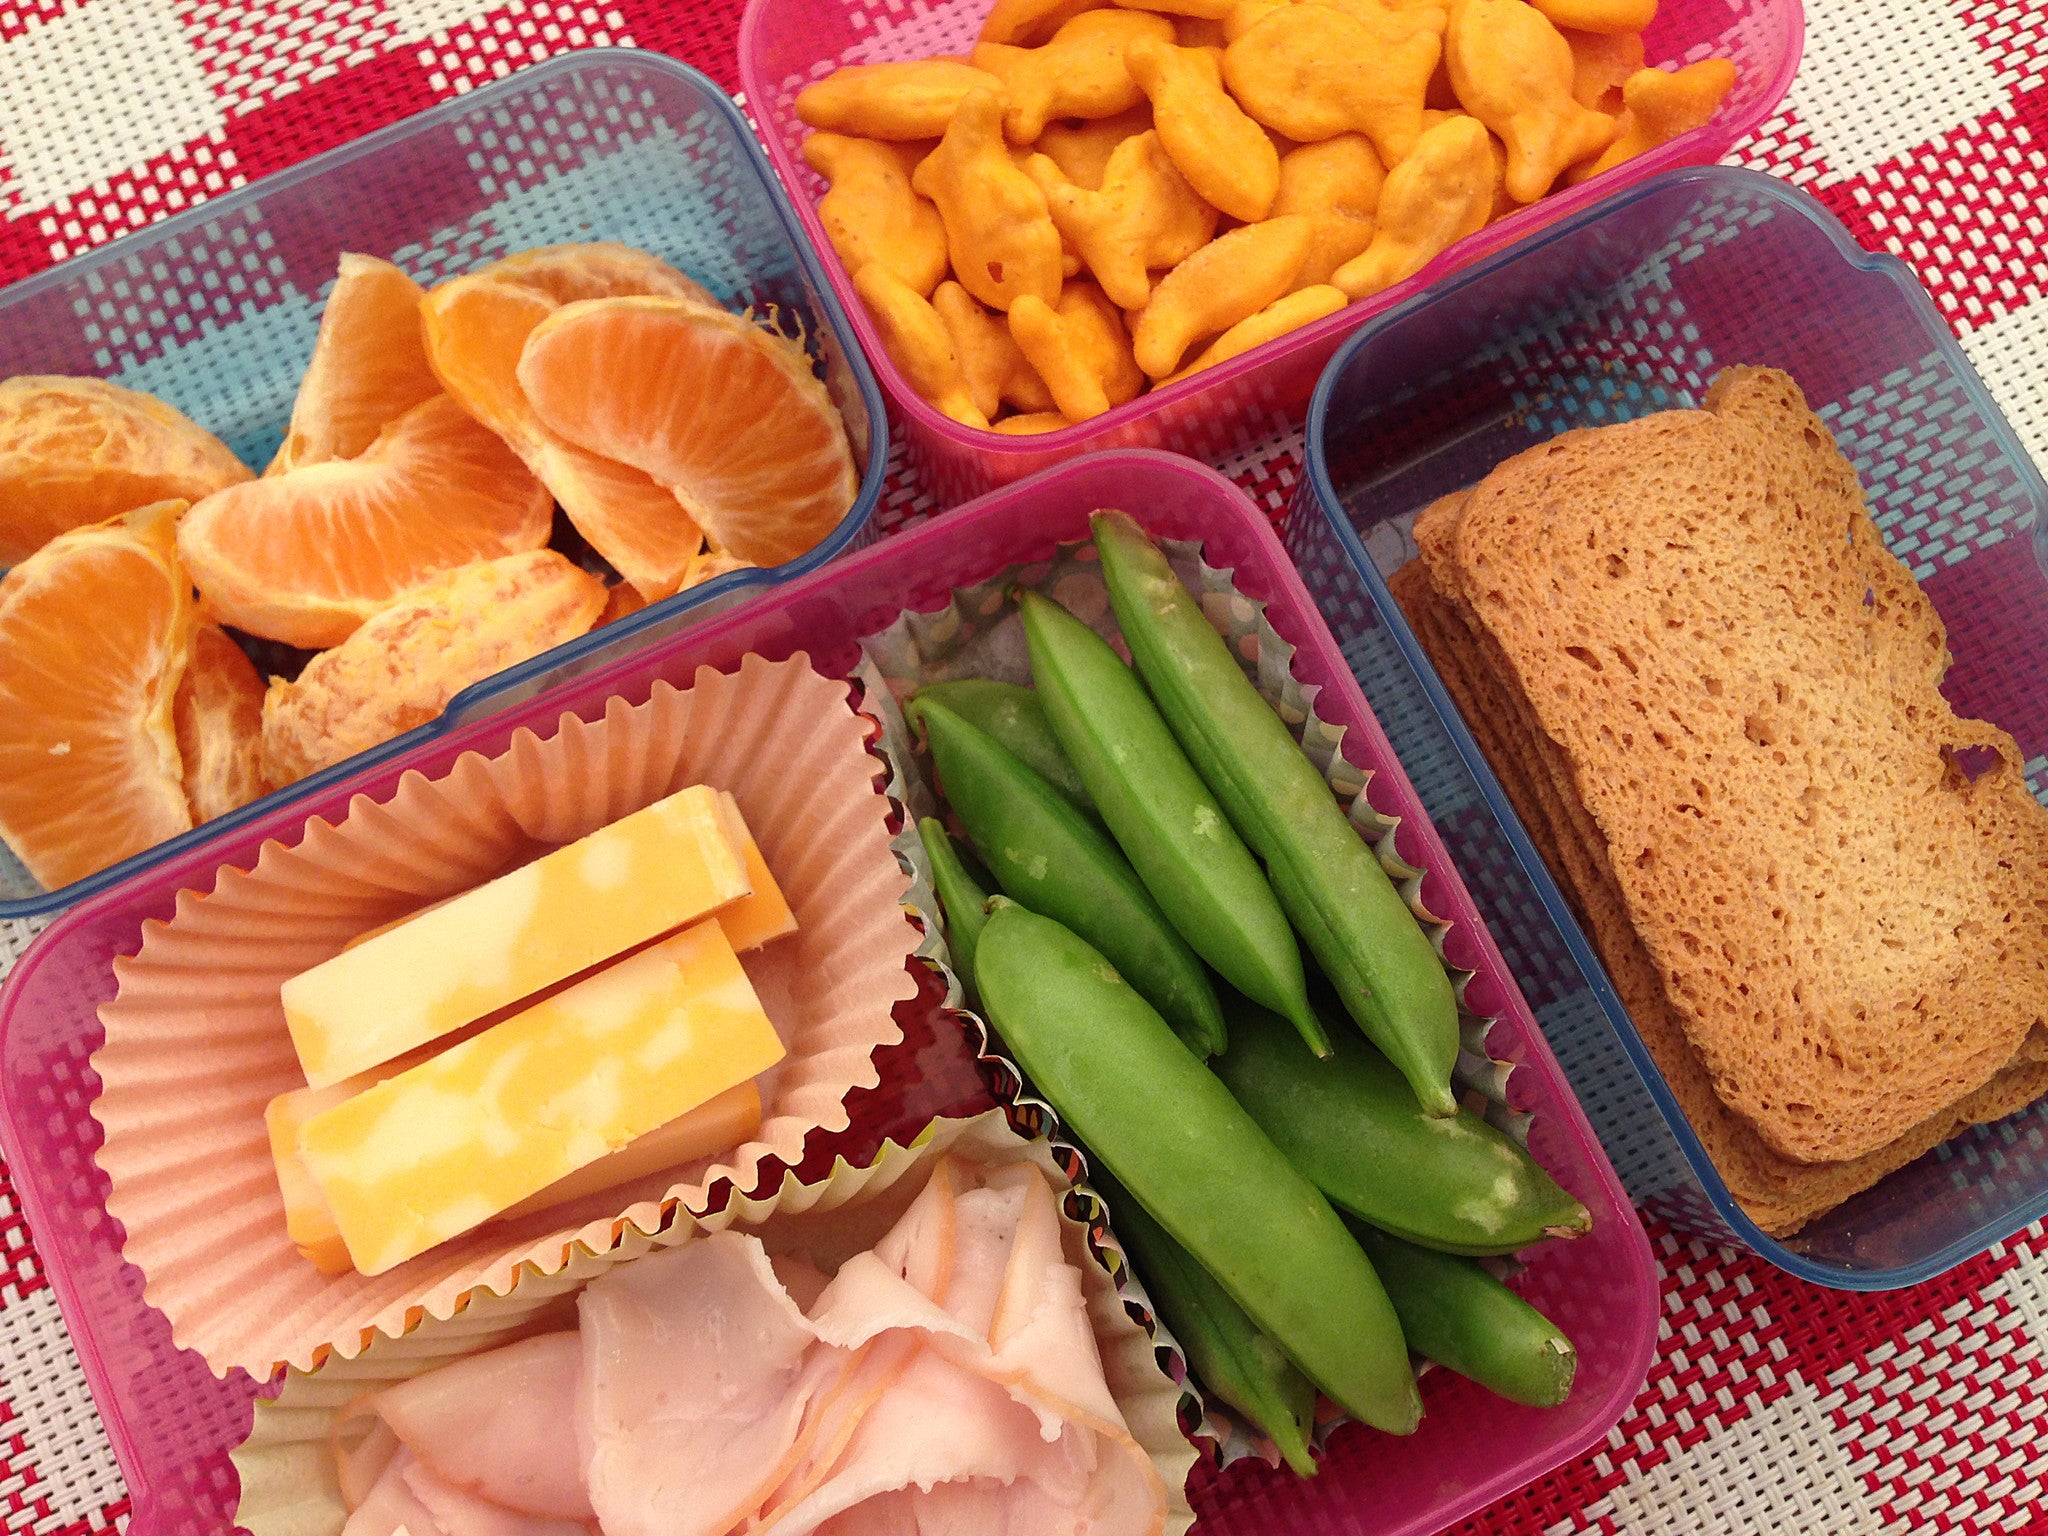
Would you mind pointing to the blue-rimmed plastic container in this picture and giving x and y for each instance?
(215, 308)
(1629, 309)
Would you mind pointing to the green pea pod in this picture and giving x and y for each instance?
(1458, 1315)
(1352, 1126)
(963, 898)
(1015, 717)
(1172, 1135)
(1053, 859)
(1327, 878)
(1224, 1347)
(1163, 816)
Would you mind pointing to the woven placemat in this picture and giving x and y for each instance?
(1772, 1407)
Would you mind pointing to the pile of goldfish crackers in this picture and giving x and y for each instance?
(1103, 198)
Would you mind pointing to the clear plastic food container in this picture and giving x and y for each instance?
(786, 44)
(215, 308)
(1631, 308)
(172, 1423)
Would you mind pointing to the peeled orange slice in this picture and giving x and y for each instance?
(721, 411)
(219, 717)
(304, 557)
(96, 629)
(369, 366)
(403, 666)
(79, 451)
(596, 269)
(475, 328)
(620, 601)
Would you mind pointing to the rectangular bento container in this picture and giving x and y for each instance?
(787, 44)
(172, 1423)
(1632, 308)
(215, 308)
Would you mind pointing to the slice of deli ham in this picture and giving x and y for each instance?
(694, 1386)
(495, 1425)
(944, 1383)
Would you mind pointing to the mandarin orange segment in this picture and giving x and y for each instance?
(369, 366)
(402, 667)
(620, 601)
(714, 563)
(96, 630)
(719, 410)
(75, 451)
(475, 329)
(305, 557)
(219, 717)
(595, 269)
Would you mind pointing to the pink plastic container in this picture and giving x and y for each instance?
(786, 44)
(172, 1422)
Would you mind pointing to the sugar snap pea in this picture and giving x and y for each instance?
(1172, 1135)
(1458, 1315)
(1163, 816)
(1352, 1126)
(1327, 878)
(1223, 1346)
(1049, 856)
(963, 898)
(1015, 717)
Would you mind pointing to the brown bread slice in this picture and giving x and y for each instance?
(1741, 683)
(1781, 1195)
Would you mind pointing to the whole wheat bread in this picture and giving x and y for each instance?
(1779, 1194)
(1735, 685)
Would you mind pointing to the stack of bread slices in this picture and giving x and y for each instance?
(1713, 697)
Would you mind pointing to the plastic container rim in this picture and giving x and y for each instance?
(466, 701)
(1714, 136)
(1644, 1322)
(1317, 474)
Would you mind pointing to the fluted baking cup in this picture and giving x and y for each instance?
(287, 1465)
(196, 1042)
(979, 634)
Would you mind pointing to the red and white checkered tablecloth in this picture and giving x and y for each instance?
(1772, 1407)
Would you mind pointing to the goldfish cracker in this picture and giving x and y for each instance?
(915, 99)
(1337, 184)
(1503, 205)
(1601, 65)
(1247, 14)
(1513, 71)
(1198, 32)
(1301, 307)
(1437, 196)
(994, 368)
(1145, 217)
(1342, 175)
(1299, 71)
(1613, 17)
(1225, 156)
(915, 338)
(1081, 150)
(871, 213)
(1657, 106)
(1027, 23)
(1208, 10)
(1080, 73)
(1035, 422)
(998, 232)
(1230, 279)
(1412, 15)
(1079, 349)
